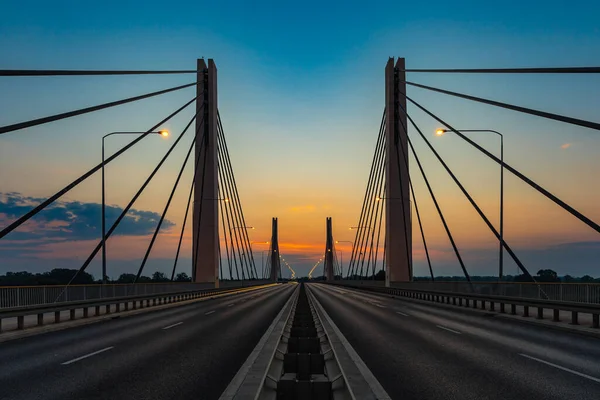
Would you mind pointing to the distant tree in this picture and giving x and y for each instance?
(587, 279)
(144, 279)
(182, 277)
(126, 278)
(380, 275)
(62, 276)
(547, 275)
(159, 277)
(17, 278)
(521, 278)
(568, 279)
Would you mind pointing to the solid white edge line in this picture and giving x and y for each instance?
(563, 368)
(87, 355)
(448, 329)
(171, 326)
(209, 312)
(376, 387)
(401, 313)
(231, 389)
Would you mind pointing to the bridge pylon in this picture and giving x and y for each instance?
(275, 272)
(398, 227)
(205, 235)
(329, 269)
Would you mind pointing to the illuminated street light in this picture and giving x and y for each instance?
(163, 133)
(440, 132)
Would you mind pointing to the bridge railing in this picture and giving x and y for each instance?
(485, 301)
(23, 296)
(588, 293)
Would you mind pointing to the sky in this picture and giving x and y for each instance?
(301, 92)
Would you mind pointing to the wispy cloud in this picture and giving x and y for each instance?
(566, 145)
(72, 220)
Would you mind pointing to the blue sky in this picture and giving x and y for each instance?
(301, 95)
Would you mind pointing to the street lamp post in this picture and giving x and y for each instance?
(342, 253)
(440, 132)
(262, 260)
(163, 133)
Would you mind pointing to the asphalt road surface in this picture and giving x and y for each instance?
(420, 351)
(185, 352)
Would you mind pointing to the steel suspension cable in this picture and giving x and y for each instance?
(187, 209)
(358, 250)
(222, 212)
(377, 178)
(15, 224)
(378, 233)
(525, 110)
(236, 192)
(412, 191)
(235, 216)
(422, 233)
(402, 194)
(267, 270)
(439, 210)
(375, 204)
(131, 202)
(352, 263)
(474, 204)
(525, 179)
(220, 261)
(70, 72)
(228, 211)
(551, 70)
(165, 210)
(57, 117)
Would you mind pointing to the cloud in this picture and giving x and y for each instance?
(71, 220)
(566, 145)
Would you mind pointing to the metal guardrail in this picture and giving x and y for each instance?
(20, 296)
(473, 299)
(555, 291)
(139, 301)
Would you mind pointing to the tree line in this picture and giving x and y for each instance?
(62, 276)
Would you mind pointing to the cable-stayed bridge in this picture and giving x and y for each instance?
(360, 330)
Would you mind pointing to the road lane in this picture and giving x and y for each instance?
(414, 358)
(195, 359)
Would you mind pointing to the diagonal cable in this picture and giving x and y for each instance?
(412, 191)
(15, 224)
(530, 111)
(525, 179)
(439, 210)
(126, 209)
(165, 210)
(187, 209)
(57, 117)
(228, 210)
(237, 196)
(474, 204)
(71, 72)
(357, 244)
